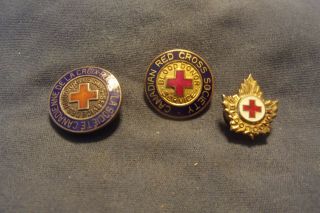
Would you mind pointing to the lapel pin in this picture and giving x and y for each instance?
(248, 112)
(179, 84)
(85, 99)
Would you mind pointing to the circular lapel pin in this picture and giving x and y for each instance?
(85, 99)
(179, 84)
(248, 112)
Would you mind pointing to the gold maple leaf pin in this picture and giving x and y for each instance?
(248, 112)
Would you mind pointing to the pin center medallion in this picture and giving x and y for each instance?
(84, 97)
(179, 83)
(251, 109)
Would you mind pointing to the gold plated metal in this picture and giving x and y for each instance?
(248, 112)
(179, 84)
(170, 92)
(85, 100)
(84, 97)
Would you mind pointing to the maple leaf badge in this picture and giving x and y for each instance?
(248, 112)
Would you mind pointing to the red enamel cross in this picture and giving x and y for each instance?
(83, 96)
(179, 83)
(252, 108)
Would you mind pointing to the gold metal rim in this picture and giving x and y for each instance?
(186, 104)
(100, 127)
(180, 117)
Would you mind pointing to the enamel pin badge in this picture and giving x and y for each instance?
(179, 84)
(85, 99)
(248, 112)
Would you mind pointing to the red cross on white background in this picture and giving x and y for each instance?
(252, 108)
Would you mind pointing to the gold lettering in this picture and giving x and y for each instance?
(188, 56)
(109, 110)
(207, 80)
(83, 125)
(170, 56)
(204, 69)
(182, 55)
(112, 102)
(54, 99)
(164, 59)
(152, 75)
(200, 64)
(190, 110)
(194, 59)
(167, 109)
(205, 94)
(158, 63)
